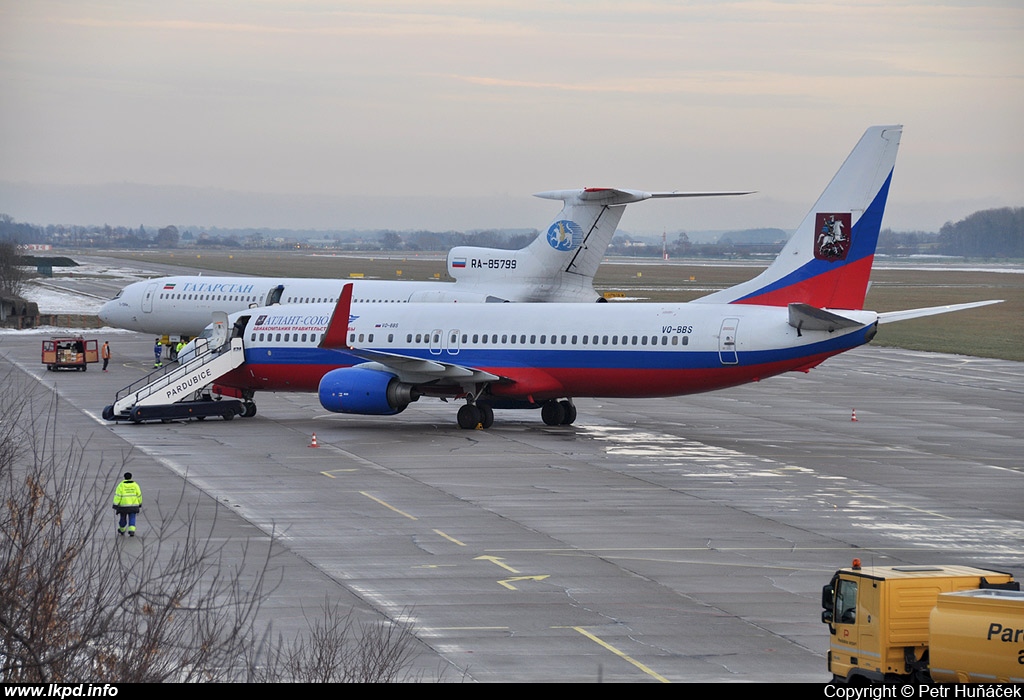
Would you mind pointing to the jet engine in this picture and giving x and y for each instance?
(365, 391)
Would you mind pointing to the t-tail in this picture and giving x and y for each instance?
(827, 262)
(560, 264)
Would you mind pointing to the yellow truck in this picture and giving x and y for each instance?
(921, 624)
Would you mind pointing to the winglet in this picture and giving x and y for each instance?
(337, 330)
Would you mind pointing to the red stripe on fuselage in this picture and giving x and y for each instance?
(549, 383)
(842, 288)
(642, 383)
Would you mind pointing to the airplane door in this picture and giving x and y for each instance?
(220, 329)
(274, 296)
(727, 342)
(147, 298)
(435, 341)
(453, 342)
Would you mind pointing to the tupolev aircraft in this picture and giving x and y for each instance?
(376, 359)
(559, 265)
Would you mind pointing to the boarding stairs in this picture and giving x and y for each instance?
(170, 393)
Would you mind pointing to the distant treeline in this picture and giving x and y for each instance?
(991, 233)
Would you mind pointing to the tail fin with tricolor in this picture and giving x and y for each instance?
(827, 262)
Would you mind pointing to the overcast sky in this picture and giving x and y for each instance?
(296, 113)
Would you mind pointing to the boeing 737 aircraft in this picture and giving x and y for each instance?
(558, 266)
(376, 359)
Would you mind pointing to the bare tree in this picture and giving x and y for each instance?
(337, 649)
(77, 604)
(12, 275)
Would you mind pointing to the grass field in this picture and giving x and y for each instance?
(993, 331)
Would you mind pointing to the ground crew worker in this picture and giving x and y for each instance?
(179, 347)
(105, 353)
(127, 504)
(158, 350)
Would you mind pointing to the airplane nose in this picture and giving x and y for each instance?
(104, 312)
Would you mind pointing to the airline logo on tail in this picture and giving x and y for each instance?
(833, 240)
(565, 235)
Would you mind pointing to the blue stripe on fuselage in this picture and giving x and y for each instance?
(575, 358)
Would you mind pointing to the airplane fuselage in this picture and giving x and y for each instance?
(558, 350)
(183, 304)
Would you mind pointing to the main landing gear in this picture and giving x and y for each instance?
(558, 413)
(472, 415)
(481, 415)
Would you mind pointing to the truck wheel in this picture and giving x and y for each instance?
(229, 415)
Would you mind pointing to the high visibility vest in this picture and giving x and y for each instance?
(128, 494)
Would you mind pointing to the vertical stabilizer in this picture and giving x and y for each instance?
(560, 264)
(827, 262)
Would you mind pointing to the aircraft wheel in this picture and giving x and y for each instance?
(552, 413)
(486, 415)
(570, 412)
(250, 410)
(469, 416)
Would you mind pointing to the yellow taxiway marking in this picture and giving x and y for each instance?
(497, 560)
(621, 654)
(450, 538)
(507, 583)
(330, 474)
(388, 506)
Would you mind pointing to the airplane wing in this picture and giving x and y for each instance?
(892, 316)
(414, 370)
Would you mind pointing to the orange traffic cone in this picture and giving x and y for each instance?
(852, 418)
(313, 442)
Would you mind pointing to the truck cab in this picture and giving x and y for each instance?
(878, 617)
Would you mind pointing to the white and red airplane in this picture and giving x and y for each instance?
(559, 265)
(807, 306)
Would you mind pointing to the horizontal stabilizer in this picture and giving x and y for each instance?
(805, 317)
(891, 316)
(611, 196)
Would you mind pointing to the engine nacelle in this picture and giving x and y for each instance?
(365, 391)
